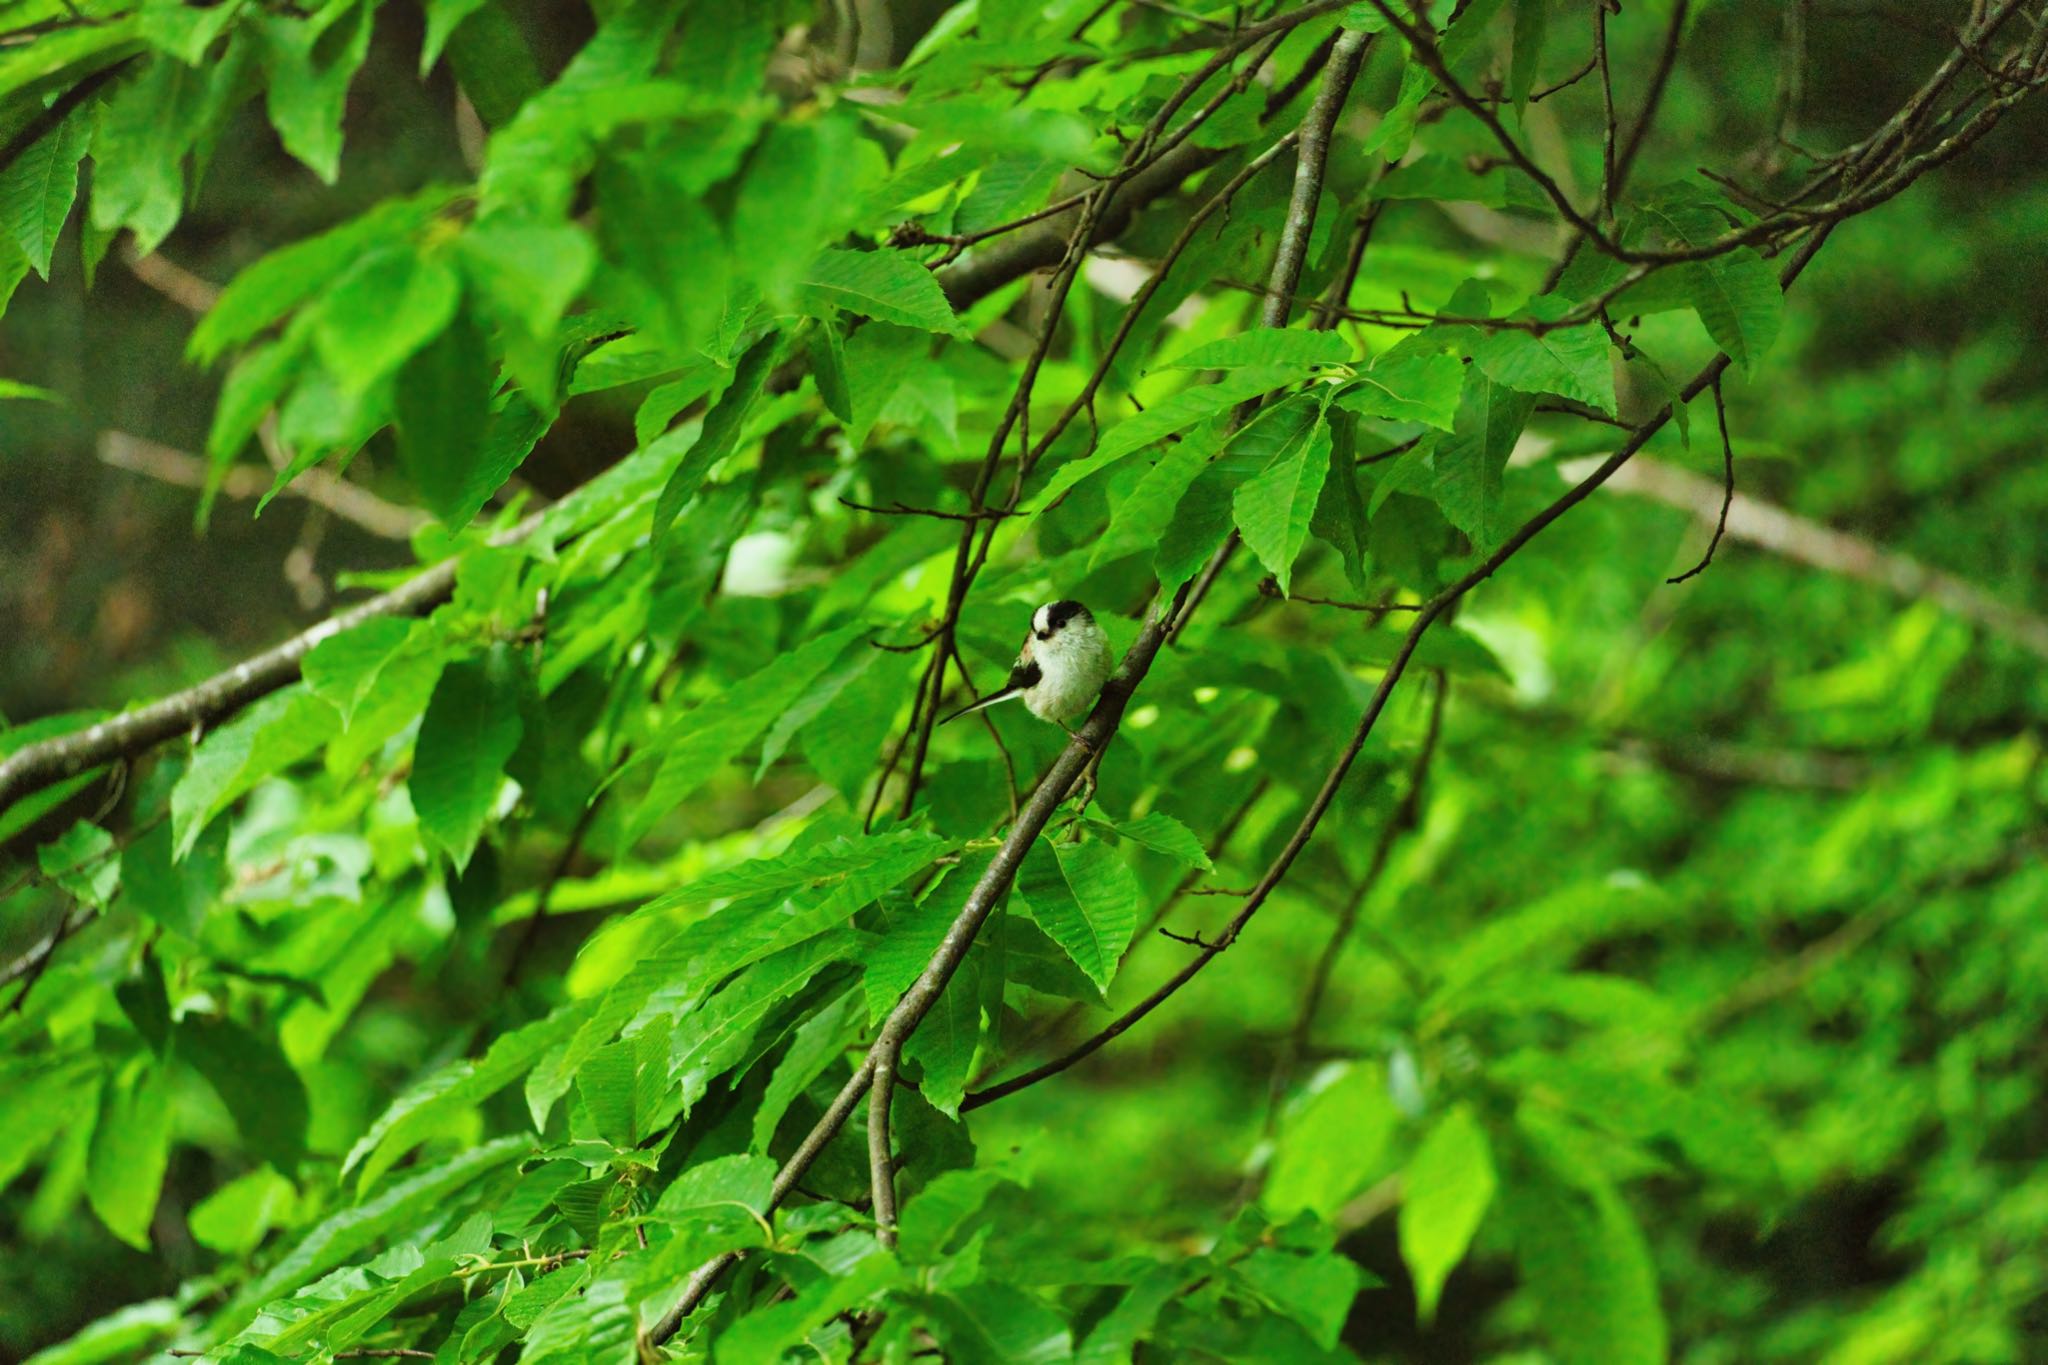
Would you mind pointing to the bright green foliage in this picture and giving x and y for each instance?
(1606, 970)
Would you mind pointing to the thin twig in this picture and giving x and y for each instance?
(1727, 490)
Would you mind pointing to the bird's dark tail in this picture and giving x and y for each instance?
(983, 704)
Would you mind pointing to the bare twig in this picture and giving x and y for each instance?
(35, 766)
(351, 502)
(1727, 490)
(1770, 527)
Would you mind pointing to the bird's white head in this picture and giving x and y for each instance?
(1055, 618)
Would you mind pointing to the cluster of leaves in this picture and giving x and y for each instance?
(321, 991)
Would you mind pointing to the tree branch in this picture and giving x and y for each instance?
(877, 1070)
(34, 766)
(1432, 610)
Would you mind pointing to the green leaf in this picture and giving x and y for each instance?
(1444, 1193)
(13, 390)
(708, 737)
(798, 192)
(36, 190)
(1736, 294)
(1164, 418)
(1340, 518)
(131, 1148)
(443, 18)
(425, 1196)
(1136, 519)
(309, 73)
(388, 307)
(1273, 508)
(1532, 29)
(139, 151)
(1583, 1261)
(1572, 362)
(888, 286)
(235, 1217)
(720, 433)
(1472, 458)
(428, 1104)
(471, 727)
(717, 1033)
(272, 287)
(80, 862)
(1315, 1290)
(1268, 346)
(255, 1082)
(177, 894)
(879, 357)
(1162, 833)
(997, 1324)
(945, 1044)
(442, 402)
(935, 1216)
(529, 272)
(1085, 898)
(1333, 1145)
(343, 668)
(1407, 388)
(270, 736)
(817, 1041)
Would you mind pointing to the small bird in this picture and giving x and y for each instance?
(1061, 669)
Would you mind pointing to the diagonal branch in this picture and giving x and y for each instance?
(1432, 611)
(877, 1072)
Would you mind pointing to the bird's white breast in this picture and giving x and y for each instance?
(1073, 665)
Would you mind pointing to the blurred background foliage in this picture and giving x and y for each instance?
(1739, 882)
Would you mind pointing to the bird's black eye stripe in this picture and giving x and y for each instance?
(1045, 635)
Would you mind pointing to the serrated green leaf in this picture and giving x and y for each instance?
(1269, 346)
(817, 1041)
(423, 1107)
(1164, 418)
(999, 1324)
(708, 737)
(1137, 519)
(888, 286)
(1407, 388)
(720, 433)
(472, 725)
(36, 190)
(343, 668)
(1470, 461)
(1085, 898)
(1273, 508)
(310, 66)
(1162, 833)
(1573, 362)
(1444, 1193)
(945, 1044)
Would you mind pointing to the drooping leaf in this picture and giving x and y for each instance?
(130, 1152)
(1472, 458)
(1445, 1190)
(1273, 508)
(472, 725)
(36, 190)
(1573, 362)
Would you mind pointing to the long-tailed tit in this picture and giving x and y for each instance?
(1061, 669)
